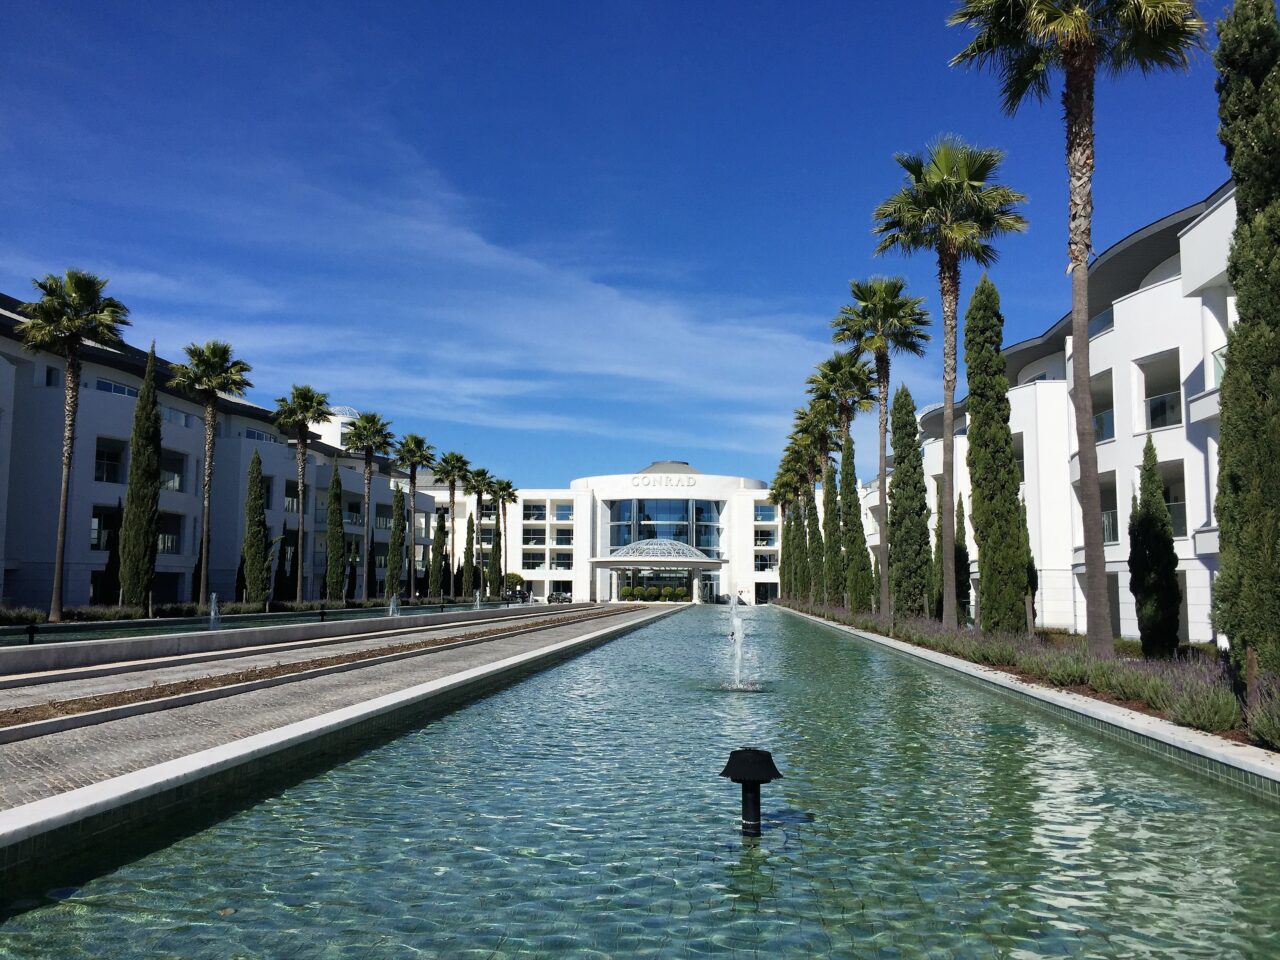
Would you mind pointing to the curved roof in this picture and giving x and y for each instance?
(670, 466)
(351, 412)
(658, 550)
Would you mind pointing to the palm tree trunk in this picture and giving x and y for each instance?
(413, 533)
(949, 281)
(1080, 67)
(882, 381)
(302, 504)
(453, 538)
(206, 494)
(368, 523)
(71, 405)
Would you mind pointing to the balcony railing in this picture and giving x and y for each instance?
(531, 540)
(1219, 365)
(1164, 410)
(1110, 526)
(564, 514)
(290, 504)
(531, 564)
(562, 565)
(766, 514)
(766, 541)
(168, 543)
(1178, 516)
(381, 523)
(539, 514)
(564, 541)
(1104, 425)
(766, 562)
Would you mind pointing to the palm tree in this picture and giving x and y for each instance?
(478, 484)
(210, 370)
(452, 468)
(368, 435)
(294, 415)
(413, 452)
(882, 320)
(1025, 42)
(504, 495)
(843, 380)
(71, 312)
(950, 204)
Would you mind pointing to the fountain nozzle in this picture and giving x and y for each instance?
(751, 766)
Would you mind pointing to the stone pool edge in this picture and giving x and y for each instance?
(1250, 768)
(34, 832)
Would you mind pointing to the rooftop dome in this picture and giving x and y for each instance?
(658, 550)
(351, 412)
(670, 466)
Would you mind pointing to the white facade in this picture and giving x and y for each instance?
(1161, 306)
(31, 417)
(564, 540)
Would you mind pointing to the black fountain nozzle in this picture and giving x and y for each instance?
(751, 767)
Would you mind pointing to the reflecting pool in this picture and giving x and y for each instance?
(579, 813)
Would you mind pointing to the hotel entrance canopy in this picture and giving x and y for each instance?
(660, 554)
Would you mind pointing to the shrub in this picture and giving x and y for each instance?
(1264, 718)
(1062, 668)
(651, 593)
(1201, 697)
(668, 593)
(21, 615)
(624, 593)
(682, 593)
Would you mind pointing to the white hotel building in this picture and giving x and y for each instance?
(1161, 306)
(668, 525)
(31, 418)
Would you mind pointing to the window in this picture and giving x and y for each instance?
(103, 525)
(562, 561)
(1110, 515)
(1102, 322)
(173, 470)
(291, 496)
(766, 513)
(564, 512)
(175, 416)
(252, 434)
(51, 376)
(381, 517)
(1104, 419)
(486, 538)
(169, 540)
(535, 511)
(766, 538)
(1161, 390)
(766, 561)
(108, 462)
(268, 486)
(534, 538)
(564, 538)
(119, 389)
(533, 561)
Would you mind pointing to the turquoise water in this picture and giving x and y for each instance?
(579, 813)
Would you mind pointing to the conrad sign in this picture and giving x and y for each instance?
(662, 480)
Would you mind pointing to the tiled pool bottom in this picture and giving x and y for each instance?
(578, 814)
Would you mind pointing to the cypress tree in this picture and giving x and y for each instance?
(962, 563)
(240, 581)
(469, 559)
(140, 524)
(801, 572)
(435, 571)
(875, 597)
(833, 538)
(1028, 562)
(993, 468)
(495, 563)
(909, 554)
(335, 540)
(255, 553)
(817, 578)
(1246, 602)
(859, 586)
(395, 546)
(281, 588)
(1153, 564)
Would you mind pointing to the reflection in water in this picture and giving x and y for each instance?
(580, 814)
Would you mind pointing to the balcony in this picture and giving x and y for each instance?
(766, 513)
(535, 540)
(538, 514)
(564, 540)
(1110, 526)
(766, 562)
(1104, 426)
(765, 540)
(290, 504)
(168, 543)
(1164, 410)
(355, 518)
(381, 522)
(564, 513)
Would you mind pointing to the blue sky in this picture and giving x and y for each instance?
(564, 238)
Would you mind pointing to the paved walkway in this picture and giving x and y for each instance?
(260, 657)
(46, 766)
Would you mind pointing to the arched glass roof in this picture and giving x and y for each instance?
(658, 550)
